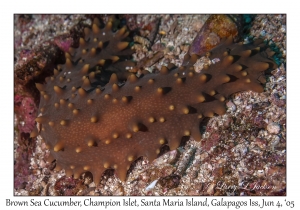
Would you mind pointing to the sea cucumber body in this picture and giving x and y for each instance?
(92, 128)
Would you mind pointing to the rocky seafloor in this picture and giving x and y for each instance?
(243, 152)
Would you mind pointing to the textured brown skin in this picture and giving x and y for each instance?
(94, 138)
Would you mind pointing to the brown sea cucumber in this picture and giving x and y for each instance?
(91, 128)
